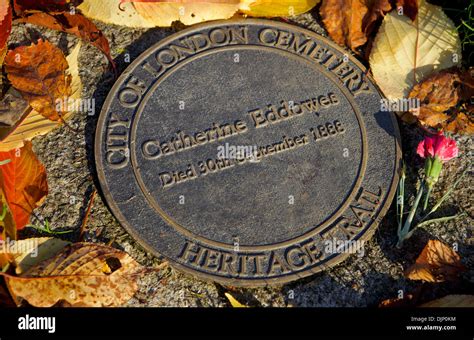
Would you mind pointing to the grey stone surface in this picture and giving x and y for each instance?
(365, 281)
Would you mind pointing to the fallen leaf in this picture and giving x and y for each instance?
(405, 52)
(7, 224)
(5, 27)
(343, 21)
(23, 180)
(397, 302)
(276, 8)
(82, 274)
(234, 302)
(4, 260)
(376, 10)
(113, 12)
(76, 24)
(38, 71)
(452, 301)
(23, 6)
(436, 263)
(462, 123)
(35, 124)
(409, 8)
(165, 13)
(25, 254)
(436, 94)
(350, 23)
(13, 109)
(441, 92)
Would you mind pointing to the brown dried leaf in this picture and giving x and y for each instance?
(38, 71)
(343, 21)
(34, 124)
(436, 263)
(13, 110)
(410, 8)
(83, 274)
(24, 6)
(438, 92)
(467, 84)
(76, 24)
(441, 92)
(350, 23)
(462, 123)
(376, 11)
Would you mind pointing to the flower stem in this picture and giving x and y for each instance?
(401, 199)
(441, 219)
(427, 197)
(445, 196)
(406, 227)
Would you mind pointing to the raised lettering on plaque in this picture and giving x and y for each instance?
(247, 152)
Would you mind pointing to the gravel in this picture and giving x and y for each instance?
(357, 282)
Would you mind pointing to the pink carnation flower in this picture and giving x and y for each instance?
(439, 147)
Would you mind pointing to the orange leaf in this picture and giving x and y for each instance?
(436, 263)
(76, 24)
(438, 92)
(5, 27)
(349, 23)
(462, 123)
(39, 73)
(397, 302)
(23, 180)
(441, 92)
(22, 6)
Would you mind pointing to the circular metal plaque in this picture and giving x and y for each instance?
(247, 152)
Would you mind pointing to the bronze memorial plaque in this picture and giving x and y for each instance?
(248, 152)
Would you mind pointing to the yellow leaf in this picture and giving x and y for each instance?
(276, 8)
(25, 254)
(234, 302)
(152, 14)
(163, 14)
(35, 124)
(405, 51)
(108, 11)
(76, 277)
